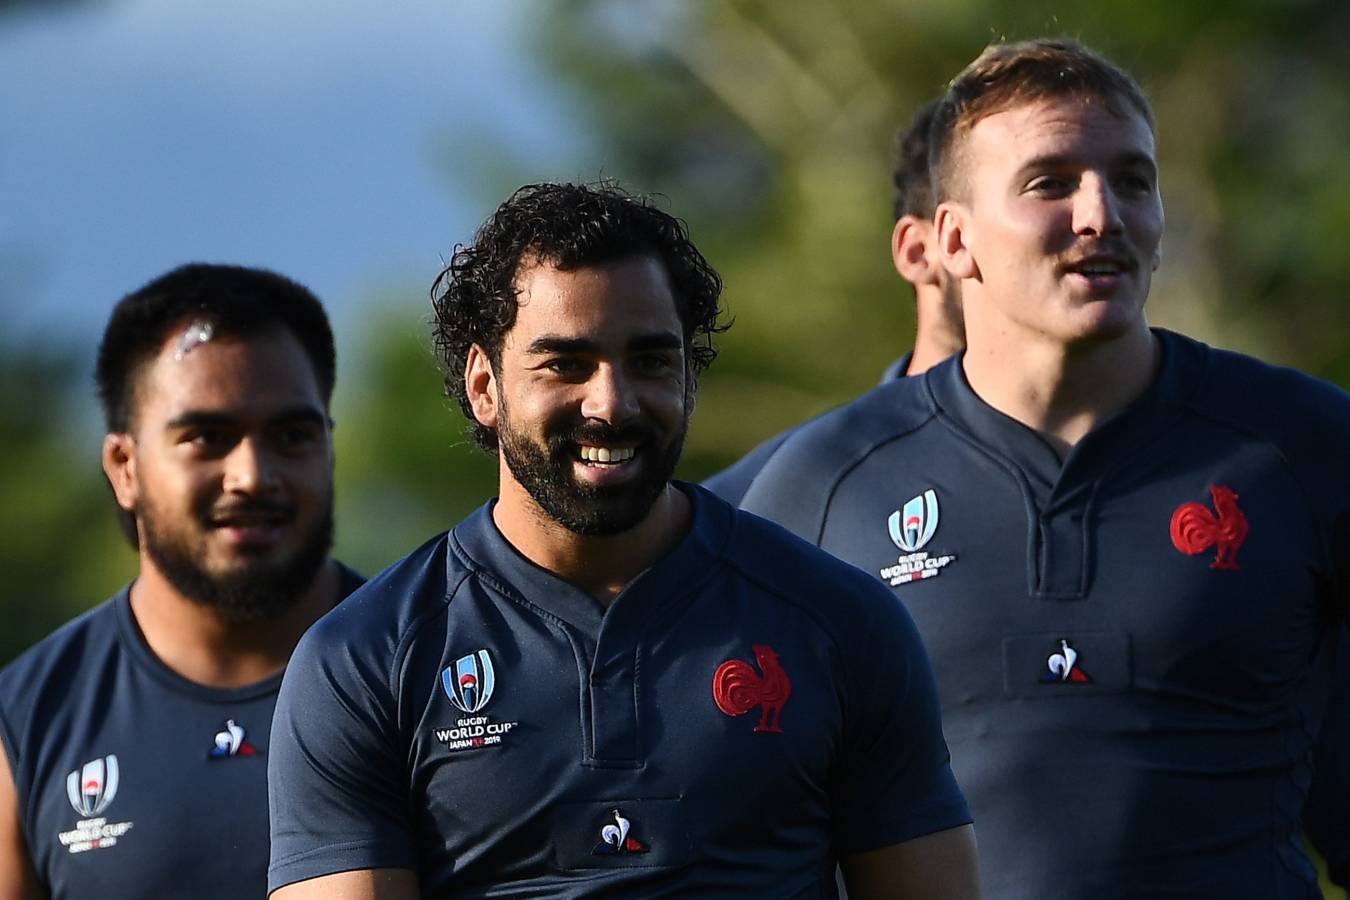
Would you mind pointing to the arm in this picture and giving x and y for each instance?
(18, 881)
(902, 825)
(1327, 814)
(335, 779)
(365, 884)
(938, 866)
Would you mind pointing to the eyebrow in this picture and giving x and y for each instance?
(549, 343)
(200, 419)
(1056, 160)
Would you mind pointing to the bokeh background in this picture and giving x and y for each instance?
(352, 146)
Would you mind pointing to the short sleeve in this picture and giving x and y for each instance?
(336, 780)
(894, 781)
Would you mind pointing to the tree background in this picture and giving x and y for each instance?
(769, 128)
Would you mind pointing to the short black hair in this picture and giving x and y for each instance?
(234, 300)
(569, 226)
(913, 189)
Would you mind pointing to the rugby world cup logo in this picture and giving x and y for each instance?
(469, 682)
(93, 786)
(912, 525)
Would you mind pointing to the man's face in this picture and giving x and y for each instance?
(1063, 221)
(592, 392)
(229, 471)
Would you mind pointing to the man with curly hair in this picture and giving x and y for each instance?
(605, 682)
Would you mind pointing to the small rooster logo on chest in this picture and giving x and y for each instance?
(737, 688)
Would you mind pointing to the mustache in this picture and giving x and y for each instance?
(259, 508)
(1113, 248)
(634, 431)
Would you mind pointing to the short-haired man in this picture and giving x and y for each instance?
(1126, 551)
(136, 736)
(938, 329)
(605, 682)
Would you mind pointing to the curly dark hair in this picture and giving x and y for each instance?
(569, 226)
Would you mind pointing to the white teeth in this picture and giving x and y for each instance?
(606, 454)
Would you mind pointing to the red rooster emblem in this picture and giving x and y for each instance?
(1195, 529)
(738, 688)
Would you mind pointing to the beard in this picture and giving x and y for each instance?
(544, 469)
(261, 588)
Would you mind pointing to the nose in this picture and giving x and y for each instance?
(609, 396)
(249, 469)
(1095, 208)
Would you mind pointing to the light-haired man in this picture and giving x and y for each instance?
(1127, 552)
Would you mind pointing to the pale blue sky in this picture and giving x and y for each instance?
(332, 142)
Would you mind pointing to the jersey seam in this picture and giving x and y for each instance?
(507, 592)
(400, 663)
(871, 449)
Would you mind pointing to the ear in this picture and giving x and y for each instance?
(952, 224)
(480, 385)
(912, 242)
(119, 464)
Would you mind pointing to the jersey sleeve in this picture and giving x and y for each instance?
(1327, 815)
(894, 780)
(336, 785)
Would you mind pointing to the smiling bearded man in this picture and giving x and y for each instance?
(216, 383)
(606, 682)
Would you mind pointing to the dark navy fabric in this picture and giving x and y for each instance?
(120, 792)
(1327, 816)
(1127, 719)
(732, 482)
(472, 717)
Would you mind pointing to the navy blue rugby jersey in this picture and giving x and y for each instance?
(1327, 815)
(1131, 646)
(732, 482)
(134, 782)
(745, 710)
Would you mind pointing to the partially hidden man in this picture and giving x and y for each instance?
(1128, 553)
(605, 682)
(136, 737)
(939, 330)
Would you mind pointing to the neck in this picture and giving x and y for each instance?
(194, 641)
(600, 565)
(938, 331)
(1062, 391)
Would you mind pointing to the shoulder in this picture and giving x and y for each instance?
(732, 482)
(1306, 417)
(375, 619)
(795, 486)
(54, 667)
(838, 596)
(840, 438)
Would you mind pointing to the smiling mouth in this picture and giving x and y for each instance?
(252, 519)
(1100, 266)
(593, 455)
